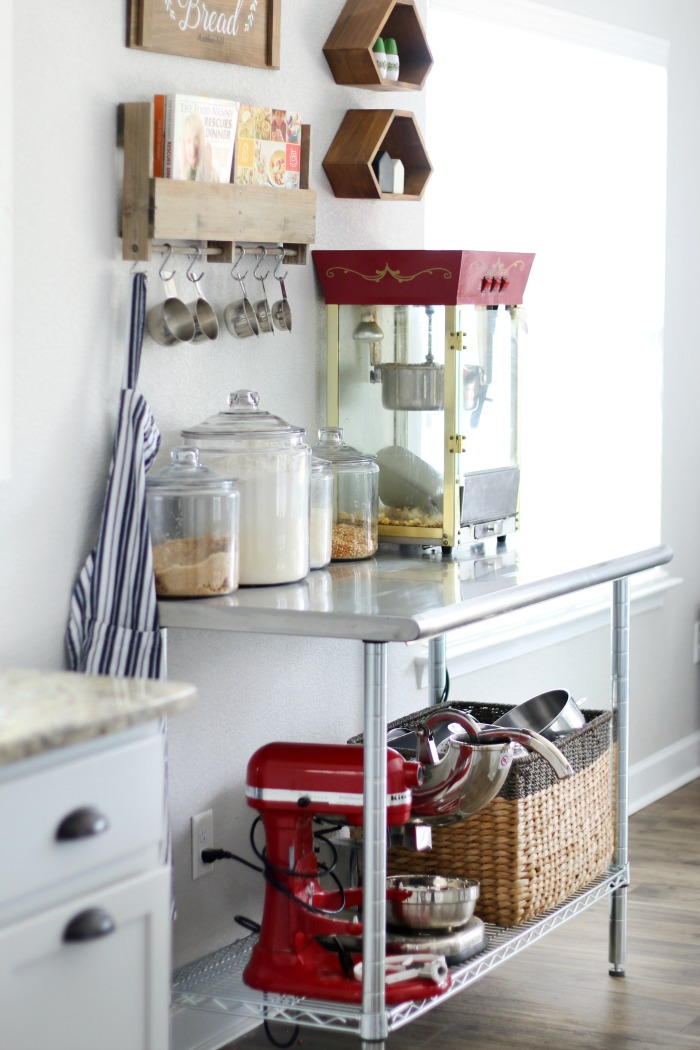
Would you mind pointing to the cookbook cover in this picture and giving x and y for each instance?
(268, 151)
(200, 137)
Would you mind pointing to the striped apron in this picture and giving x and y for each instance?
(113, 625)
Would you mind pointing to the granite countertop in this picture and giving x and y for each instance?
(44, 710)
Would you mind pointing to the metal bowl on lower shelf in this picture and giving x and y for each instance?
(551, 714)
(429, 902)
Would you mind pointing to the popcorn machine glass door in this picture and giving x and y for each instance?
(396, 390)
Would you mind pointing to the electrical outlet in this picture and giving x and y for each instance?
(696, 642)
(202, 838)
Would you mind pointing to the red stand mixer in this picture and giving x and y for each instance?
(290, 785)
(303, 944)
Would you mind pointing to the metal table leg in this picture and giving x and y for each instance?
(373, 1023)
(620, 708)
(437, 668)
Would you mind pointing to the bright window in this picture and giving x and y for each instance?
(547, 133)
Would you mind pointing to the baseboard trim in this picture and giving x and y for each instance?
(664, 772)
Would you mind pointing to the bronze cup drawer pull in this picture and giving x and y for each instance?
(82, 824)
(88, 926)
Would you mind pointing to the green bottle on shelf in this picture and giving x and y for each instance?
(380, 57)
(392, 59)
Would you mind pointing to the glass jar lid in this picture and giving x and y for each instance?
(246, 420)
(321, 468)
(330, 446)
(186, 475)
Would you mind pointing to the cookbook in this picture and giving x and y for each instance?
(268, 148)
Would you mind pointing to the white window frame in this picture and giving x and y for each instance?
(524, 631)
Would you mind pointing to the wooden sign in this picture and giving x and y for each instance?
(244, 32)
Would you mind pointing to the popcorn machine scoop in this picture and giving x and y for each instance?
(422, 373)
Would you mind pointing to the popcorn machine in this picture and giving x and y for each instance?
(422, 373)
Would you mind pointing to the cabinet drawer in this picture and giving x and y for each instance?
(112, 803)
(109, 990)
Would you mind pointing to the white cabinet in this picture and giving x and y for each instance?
(85, 897)
(109, 990)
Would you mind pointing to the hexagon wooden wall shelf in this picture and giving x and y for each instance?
(361, 135)
(348, 49)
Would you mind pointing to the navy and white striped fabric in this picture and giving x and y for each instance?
(113, 626)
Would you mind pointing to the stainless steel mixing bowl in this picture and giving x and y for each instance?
(551, 714)
(431, 902)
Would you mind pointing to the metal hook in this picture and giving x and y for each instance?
(166, 276)
(280, 277)
(263, 249)
(189, 275)
(234, 269)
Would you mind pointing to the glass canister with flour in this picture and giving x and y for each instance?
(193, 521)
(272, 465)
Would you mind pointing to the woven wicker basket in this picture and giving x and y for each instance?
(540, 840)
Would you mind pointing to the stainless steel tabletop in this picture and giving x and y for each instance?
(405, 594)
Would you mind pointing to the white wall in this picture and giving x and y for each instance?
(67, 351)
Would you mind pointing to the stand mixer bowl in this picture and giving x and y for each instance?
(429, 902)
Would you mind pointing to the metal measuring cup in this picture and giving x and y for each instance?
(262, 307)
(240, 318)
(281, 310)
(170, 321)
(206, 324)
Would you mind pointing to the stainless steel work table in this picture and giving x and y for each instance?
(404, 595)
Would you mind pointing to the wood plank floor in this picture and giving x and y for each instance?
(558, 995)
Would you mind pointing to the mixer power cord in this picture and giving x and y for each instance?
(271, 871)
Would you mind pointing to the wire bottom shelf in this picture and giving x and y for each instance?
(215, 982)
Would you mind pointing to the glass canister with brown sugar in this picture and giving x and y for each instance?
(193, 521)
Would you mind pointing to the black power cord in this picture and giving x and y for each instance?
(283, 1046)
(211, 855)
(270, 872)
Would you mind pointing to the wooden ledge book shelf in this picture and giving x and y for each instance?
(170, 210)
